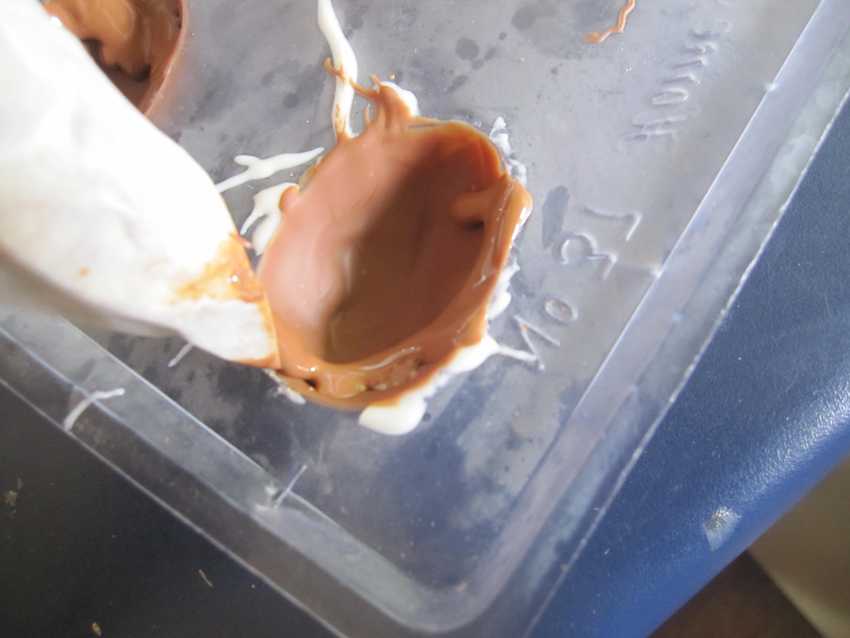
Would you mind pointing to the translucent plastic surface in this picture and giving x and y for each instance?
(659, 162)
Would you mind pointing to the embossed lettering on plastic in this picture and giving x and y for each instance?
(578, 247)
(632, 218)
(581, 247)
(674, 90)
(526, 331)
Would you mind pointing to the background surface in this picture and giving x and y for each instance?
(763, 419)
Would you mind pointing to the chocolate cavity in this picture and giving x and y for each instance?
(387, 255)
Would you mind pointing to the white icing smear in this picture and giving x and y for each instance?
(501, 139)
(292, 395)
(99, 395)
(344, 61)
(284, 390)
(408, 97)
(400, 418)
(257, 168)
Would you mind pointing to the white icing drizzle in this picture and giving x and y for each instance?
(345, 61)
(99, 395)
(395, 356)
(293, 396)
(266, 214)
(257, 168)
(186, 349)
(264, 232)
(265, 202)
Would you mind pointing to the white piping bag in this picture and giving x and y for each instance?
(103, 217)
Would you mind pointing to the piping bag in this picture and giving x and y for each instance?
(103, 217)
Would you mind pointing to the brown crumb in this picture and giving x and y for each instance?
(84, 272)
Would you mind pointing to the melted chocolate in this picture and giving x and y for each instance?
(598, 37)
(387, 255)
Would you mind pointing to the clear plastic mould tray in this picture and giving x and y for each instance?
(659, 162)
